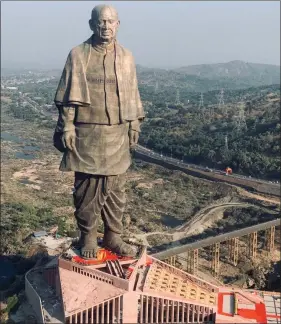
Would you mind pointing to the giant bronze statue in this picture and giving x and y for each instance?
(100, 113)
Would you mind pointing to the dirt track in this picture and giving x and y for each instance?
(202, 220)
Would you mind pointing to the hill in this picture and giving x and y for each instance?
(207, 77)
(232, 69)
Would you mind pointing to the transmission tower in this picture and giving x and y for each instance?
(156, 87)
(201, 106)
(177, 103)
(201, 102)
(226, 143)
(255, 123)
(210, 112)
(221, 99)
(240, 121)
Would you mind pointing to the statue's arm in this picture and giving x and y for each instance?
(135, 125)
(68, 118)
(134, 130)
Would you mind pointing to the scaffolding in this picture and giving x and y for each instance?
(192, 261)
(171, 260)
(215, 264)
(253, 243)
(269, 239)
(233, 248)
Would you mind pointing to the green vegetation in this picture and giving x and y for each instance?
(198, 135)
(28, 113)
(44, 90)
(12, 305)
(23, 219)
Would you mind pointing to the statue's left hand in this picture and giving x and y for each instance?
(133, 138)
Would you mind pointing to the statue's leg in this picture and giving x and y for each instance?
(112, 214)
(88, 202)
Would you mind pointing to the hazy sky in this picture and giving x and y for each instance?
(160, 34)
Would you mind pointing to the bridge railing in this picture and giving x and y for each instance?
(213, 240)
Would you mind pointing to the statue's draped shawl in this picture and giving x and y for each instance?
(73, 88)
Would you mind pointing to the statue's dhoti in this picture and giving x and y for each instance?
(96, 195)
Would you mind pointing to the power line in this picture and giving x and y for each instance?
(239, 120)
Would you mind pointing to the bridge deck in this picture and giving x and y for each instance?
(212, 240)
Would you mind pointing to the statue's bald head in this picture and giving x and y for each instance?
(104, 23)
(100, 10)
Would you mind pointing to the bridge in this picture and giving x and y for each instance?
(173, 255)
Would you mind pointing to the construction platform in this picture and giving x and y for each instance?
(138, 290)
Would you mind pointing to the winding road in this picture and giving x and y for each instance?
(197, 224)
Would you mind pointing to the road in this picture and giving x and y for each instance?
(183, 164)
(248, 183)
(212, 240)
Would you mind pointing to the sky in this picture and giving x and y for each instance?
(165, 34)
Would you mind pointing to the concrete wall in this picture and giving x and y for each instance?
(106, 277)
(34, 299)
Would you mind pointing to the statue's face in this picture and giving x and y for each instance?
(104, 24)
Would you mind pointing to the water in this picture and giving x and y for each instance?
(170, 221)
(31, 148)
(7, 270)
(26, 181)
(11, 138)
(25, 156)
(27, 152)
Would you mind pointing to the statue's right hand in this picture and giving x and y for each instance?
(69, 139)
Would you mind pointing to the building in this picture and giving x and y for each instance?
(141, 290)
(11, 88)
(40, 234)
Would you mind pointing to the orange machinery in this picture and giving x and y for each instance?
(103, 255)
(228, 171)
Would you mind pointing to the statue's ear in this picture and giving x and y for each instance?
(91, 24)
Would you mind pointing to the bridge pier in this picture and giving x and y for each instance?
(215, 264)
(192, 261)
(269, 239)
(171, 260)
(253, 243)
(233, 249)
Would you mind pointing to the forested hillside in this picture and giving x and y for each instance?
(210, 77)
(243, 133)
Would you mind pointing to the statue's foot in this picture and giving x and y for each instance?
(88, 246)
(89, 251)
(115, 244)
